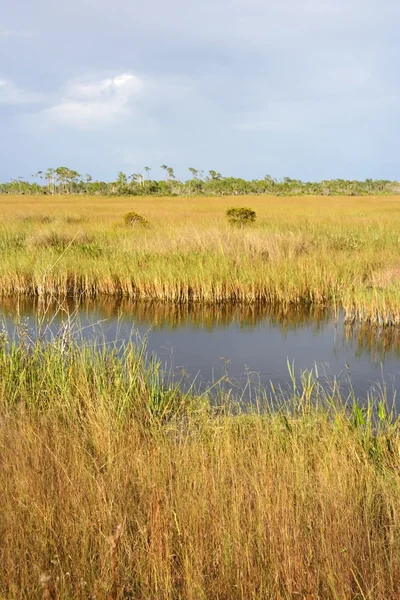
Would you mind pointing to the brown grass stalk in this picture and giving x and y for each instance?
(47, 584)
(114, 541)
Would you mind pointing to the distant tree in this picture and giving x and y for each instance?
(72, 179)
(165, 168)
(88, 181)
(64, 180)
(61, 177)
(50, 176)
(122, 178)
(137, 178)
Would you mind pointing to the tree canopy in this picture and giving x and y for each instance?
(63, 180)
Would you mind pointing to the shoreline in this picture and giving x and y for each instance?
(328, 252)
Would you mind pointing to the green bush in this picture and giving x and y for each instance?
(241, 216)
(131, 219)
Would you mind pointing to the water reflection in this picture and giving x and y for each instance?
(209, 340)
(172, 316)
(375, 342)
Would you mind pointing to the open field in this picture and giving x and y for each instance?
(322, 251)
(297, 502)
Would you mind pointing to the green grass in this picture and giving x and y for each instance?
(290, 497)
(319, 251)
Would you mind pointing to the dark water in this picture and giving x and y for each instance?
(244, 343)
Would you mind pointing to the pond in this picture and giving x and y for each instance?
(242, 343)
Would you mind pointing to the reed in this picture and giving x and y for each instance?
(116, 484)
(309, 251)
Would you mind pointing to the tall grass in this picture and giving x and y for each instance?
(115, 484)
(302, 251)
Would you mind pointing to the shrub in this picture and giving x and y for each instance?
(131, 219)
(241, 216)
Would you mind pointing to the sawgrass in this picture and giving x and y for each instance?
(115, 484)
(322, 251)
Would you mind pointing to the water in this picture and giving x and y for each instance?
(248, 343)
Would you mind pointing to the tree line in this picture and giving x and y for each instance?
(63, 180)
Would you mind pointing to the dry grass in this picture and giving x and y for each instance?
(324, 251)
(114, 486)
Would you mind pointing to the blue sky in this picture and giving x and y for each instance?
(301, 88)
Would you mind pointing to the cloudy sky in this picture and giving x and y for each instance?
(302, 88)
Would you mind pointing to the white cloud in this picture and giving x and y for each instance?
(97, 102)
(128, 100)
(12, 94)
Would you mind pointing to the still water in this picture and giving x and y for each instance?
(244, 343)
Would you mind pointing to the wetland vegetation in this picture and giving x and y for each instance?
(116, 483)
(312, 251)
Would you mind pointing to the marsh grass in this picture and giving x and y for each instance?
(116, 484)
(308, 251)
(57, 240)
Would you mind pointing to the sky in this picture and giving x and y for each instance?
(302, 88)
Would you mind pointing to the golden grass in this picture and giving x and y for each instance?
(325, 251)
(103, 495)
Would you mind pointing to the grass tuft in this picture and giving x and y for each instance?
(295, 495)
